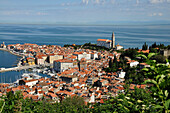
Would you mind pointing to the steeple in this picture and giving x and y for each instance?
(113, 40)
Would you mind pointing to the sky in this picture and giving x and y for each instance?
(84, 11)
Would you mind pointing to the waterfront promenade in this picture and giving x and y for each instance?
(17, 68)
(22, 67)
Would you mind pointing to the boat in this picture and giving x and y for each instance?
(31, 75)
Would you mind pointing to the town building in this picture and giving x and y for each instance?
(63, 64)
(118, 47)
(28, 82)
(3, 45)
(107, 43)
(165, 52)
(104, 42)
(53, 57)
(39, 60)
(132, 63)
(81, 55)
(113, 40)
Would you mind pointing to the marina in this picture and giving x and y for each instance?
(10, 60)
(10, 72)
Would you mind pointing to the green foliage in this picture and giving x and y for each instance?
(159, 58)
(114, 65)
(147, 58)
(15, 103)
(145, 46)
(134, 76)
(160, 46)
(89, 46)
(73, 104)
(139, 100)
(130, 53)
(161, 83)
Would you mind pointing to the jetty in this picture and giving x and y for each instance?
(17, 68)
(22, 67)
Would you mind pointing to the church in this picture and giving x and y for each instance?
(107, 43)
(3, 45)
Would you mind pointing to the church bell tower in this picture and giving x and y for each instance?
(113, 40)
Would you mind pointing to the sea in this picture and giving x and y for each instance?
(126, 35)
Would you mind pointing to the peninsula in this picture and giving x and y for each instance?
(94, 72)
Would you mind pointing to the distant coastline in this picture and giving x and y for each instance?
(92, 24)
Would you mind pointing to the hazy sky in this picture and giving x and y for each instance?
(83, 11)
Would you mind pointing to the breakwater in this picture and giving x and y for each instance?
(17, 68)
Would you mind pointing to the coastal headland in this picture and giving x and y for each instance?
(93, 72)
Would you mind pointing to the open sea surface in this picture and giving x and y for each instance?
(126, 35)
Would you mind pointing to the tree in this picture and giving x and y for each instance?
(159, 58)
(13, 102)
(146, 58)
(130, 53)
(73, 104)
(161, 86)
(110, 63)
(139, 100)
(145, 46)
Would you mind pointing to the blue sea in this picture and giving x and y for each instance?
(126, 35)
(8, 60)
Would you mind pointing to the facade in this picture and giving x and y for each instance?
(121, 74)
(3, 45)
(165, 52)
(63, 64)
(143, 65)
(113, 40)
(39, 60)
(104, 42)
(81, 55)
(31, 61)
(28, 82)
(94, 55)
(133, 63)
(53, 57)
(107, 43)
(119, 47)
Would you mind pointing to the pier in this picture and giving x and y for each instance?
(17, 68)
(22, 67)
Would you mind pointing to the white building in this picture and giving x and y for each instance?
(39, 60)
(63, 64)
(92, 98)
(53, 57)
(133, 63)
(94, 55)
(119, 47)
(121, 74)
(31, 82)
(104, 42)
(81, 55)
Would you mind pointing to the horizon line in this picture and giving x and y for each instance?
(88, 24)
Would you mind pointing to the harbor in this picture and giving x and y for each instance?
(17, 68)
(11, 70)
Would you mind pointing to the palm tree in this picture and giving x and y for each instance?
(161, 83)
(146, 58)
